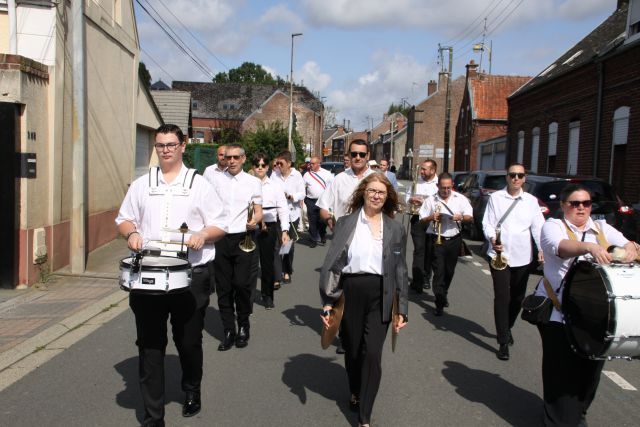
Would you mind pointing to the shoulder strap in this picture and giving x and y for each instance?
(551, 294)
(506, 214)
(154, 176)
(451, 212)
(189, 177)
(602, 240)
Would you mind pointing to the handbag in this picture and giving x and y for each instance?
(536, 309)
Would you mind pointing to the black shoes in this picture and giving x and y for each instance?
(268, 303)
(286, 280)
(227, 341)
(192, 404)
(153, 423)
(416, 288)
(313, 244)
(323, 242)
(503, 352)
(426, 285)
(242, 339)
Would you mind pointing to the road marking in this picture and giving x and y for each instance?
(621, 382)
(477, 264)
(487, 272)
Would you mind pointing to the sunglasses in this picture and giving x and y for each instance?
(234, 157)
(260, 165)
(514, 174)
(279, 163)
(360, 154)
(577, 203)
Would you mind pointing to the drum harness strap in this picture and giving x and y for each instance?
(602, 241)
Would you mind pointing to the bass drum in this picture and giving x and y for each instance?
(601, 307)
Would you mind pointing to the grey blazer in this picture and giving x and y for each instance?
(394, 263)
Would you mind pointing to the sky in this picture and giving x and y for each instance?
(361, 55)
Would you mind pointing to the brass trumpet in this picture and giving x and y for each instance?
(498, 262)
(438, 226)
(413, 209)
(247, 245)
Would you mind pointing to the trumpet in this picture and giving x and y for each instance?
(498, 262)
(413, 209)
(438, 226)
(247, 245)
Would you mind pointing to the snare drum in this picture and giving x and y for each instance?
(601, 307)
(155, 275)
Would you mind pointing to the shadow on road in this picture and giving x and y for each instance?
(131, 398)
(304, 315)
(212, 323)
(324, 376)
(516, 406)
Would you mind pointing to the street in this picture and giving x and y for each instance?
(444, 371)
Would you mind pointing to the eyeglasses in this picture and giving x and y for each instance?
(514, 174)
(361, 154)
(260, 165)
(576, 203)
(171, 146)
(234, 157)
(372, 192)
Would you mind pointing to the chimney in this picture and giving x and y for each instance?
(472, 70)
(622, 3)
(432, 86)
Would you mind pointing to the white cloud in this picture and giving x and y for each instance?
(278, 22)
(313, 77)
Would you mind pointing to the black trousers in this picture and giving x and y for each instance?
(569, 382)
(419, 273)
(445, 259)
(236, 276)
(287, 260)
(317, 227)
(363, 335)
(186, 310)
(509, 287)
(267, 248)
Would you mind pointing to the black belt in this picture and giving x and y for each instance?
(446, 239)
(309, 198)
(235, 235)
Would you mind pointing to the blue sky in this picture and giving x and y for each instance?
(362, 55)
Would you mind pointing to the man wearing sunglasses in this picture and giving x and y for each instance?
(334, 200)
(236, 270)
(316, 180)
(519, 219)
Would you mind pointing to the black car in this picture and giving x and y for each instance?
(333, 167)
(477, 186)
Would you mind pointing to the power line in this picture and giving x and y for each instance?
(201, 66)
(194, 37)
(157, 65)
(463, 34)
(505, 18)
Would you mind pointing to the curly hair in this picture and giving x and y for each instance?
(357, 198)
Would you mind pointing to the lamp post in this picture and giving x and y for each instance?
(291, 147)
(481, 47)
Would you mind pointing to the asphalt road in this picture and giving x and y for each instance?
(443, 373)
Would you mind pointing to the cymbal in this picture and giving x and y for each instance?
(328, 335)
(178, 230)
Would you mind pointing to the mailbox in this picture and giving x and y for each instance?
(26, 165)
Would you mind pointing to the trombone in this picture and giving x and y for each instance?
(247, 245)
(498, 262)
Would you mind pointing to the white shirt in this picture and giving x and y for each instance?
(211, 171)
(523, 222)
(316, 182)
(273, 197)
(236, 192)
(365, 250)
(294, 186)
(337, 196)
(457, 202)
(169, 207)
(555, 268)
(392, 179)
(427, 188)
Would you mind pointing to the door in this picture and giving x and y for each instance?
(7, 195)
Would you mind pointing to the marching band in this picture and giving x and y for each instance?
(187, 232)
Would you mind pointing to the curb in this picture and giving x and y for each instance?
(44, 338)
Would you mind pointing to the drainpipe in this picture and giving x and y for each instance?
(13, 35)
(596, 146)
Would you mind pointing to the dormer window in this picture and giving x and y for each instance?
(633, 22)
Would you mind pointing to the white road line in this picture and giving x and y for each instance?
(477, 264)
(621, 382)
(487, 272)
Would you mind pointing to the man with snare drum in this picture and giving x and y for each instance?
(153, 210)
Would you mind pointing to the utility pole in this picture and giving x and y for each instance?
(79, 141)
(447, 112)
(292, 148)
(393, 123)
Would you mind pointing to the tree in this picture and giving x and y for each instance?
(393, 108)
(250, 73)
(270, 139)
(144, 75)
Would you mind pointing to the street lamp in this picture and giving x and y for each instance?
(481, 47)
(291, 147)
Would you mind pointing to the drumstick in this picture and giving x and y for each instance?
(619, 254)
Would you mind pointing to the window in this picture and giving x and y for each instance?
(633, 20)
(194, 105)
(535, 144)
(520, 147)
(551, 152)
(574, 141)
(621, 126)
(199, 134)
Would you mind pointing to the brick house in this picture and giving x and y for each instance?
(481, 132)
(382, 137)
(579, 116)
(426, 139)
(240, 107)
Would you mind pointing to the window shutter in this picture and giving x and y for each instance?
(520, 146)
(535, 144)
(553, 138)
(621, 126)
(574, 140)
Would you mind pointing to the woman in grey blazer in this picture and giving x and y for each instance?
(366, 262)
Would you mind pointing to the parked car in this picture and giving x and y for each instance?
(333, 167)
(477, 186)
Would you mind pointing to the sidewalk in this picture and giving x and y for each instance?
(33, 318)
